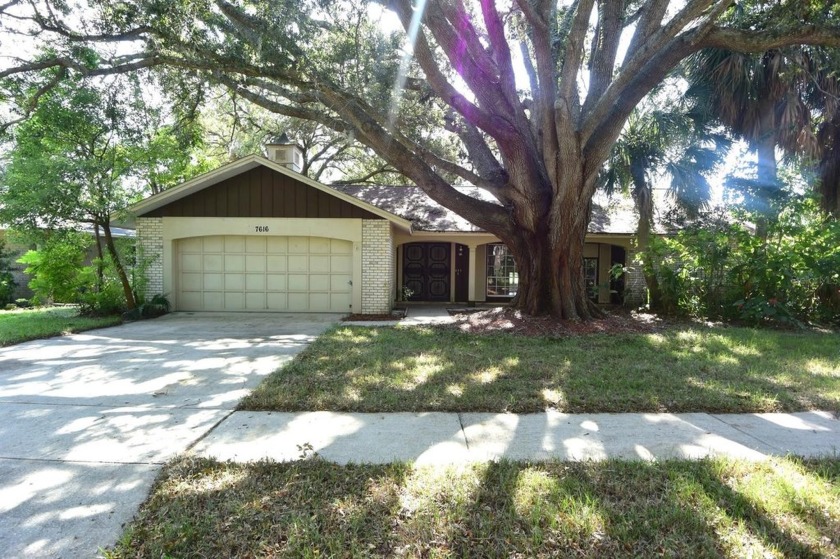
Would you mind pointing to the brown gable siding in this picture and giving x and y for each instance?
(261, 192)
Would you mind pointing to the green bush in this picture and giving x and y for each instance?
(23, 303)
(56, 267)
(100, 296)
(157, 305)
(719, 269)
(59, 275)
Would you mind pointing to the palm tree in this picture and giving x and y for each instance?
(823, 97)
(672, 141)
(828, 185)
(786, 99)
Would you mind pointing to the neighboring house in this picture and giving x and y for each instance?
(255, 235)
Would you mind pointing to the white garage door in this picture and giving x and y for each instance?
(242, 273)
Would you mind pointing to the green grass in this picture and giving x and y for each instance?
(31, 324)
(678, 370)
(711, 508)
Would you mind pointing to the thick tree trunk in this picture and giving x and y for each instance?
(643, 198)
(130, 302)
(642, 244)
(551, 275)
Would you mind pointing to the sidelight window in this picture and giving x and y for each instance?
(502, 276)
(590, 277)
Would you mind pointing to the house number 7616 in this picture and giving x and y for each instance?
(261, 228)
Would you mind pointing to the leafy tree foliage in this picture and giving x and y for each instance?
(56, 267)
(69, 166)
(537, 142)
(235, 128)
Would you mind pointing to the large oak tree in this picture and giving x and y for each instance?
(535, 91)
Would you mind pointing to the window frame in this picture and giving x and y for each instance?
(593, 289)
(505, 277)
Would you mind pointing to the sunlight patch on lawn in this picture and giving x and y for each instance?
(539, 497)
(688, 336)
(656, 340)
(356, 335)
(431, 498)
(423, 367)
(745, 351)
(487, 376)
(456, 390)
(795, 494)
(351, 394)
(553, 397)
(220, 480)
(724, 359)
(821, 367)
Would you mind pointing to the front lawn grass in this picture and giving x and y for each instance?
(31, 324)
(711, 508)
(683, 369)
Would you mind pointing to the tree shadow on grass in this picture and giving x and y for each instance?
(625, 509)
(439, 369)
(310, 508)
(203, 508)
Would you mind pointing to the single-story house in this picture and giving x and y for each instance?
(255, 235)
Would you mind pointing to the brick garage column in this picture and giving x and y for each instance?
(377, 266)
(150, 252)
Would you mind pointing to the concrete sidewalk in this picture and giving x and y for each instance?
(449, 438)
(415, 315)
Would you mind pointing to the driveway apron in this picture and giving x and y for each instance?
(87, 420)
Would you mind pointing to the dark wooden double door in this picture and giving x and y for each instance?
(427, 271)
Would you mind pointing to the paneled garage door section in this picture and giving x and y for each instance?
(242, 273)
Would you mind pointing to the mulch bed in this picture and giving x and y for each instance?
(372, 317)
(505, 319)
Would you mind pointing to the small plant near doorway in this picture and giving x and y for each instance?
(406, 293)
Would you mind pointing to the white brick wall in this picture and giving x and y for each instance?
(377, 267)
(150, 252)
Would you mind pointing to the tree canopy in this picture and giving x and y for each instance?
(533, 92)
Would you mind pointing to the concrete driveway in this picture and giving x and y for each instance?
(87, 420)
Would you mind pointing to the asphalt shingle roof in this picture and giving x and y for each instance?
(609, 216)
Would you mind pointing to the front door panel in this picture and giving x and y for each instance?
(426, 271)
